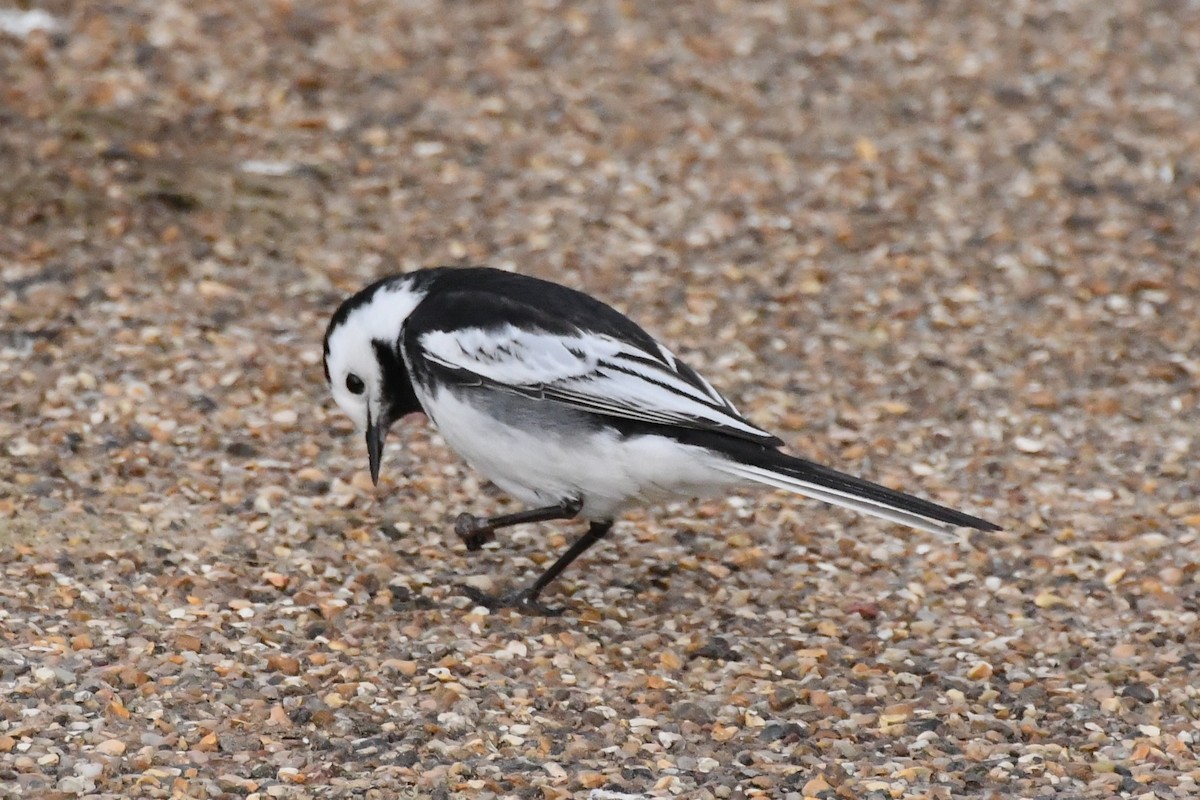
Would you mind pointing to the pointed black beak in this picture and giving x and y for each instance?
(375, 436)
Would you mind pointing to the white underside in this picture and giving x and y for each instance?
(544, 462)
(607, 472)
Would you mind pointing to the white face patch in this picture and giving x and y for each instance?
(347, 365)
(352, 350)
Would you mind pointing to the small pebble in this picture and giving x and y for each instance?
(111, 747)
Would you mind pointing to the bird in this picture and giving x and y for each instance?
(567, 405)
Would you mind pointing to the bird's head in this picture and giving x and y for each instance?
(363, 362)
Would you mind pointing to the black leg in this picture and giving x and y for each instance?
(595, 532)
(527, 599)
(477, 531)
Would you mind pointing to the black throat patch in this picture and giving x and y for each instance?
(398, 390)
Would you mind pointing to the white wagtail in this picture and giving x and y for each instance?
(564, 403)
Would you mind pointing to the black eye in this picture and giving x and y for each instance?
(355, 384)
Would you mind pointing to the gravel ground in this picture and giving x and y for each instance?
(949, 248)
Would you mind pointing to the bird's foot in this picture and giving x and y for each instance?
(474, 531)
(522, 600)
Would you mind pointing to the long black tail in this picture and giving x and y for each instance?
(773, 468)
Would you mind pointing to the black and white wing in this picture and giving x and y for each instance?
(617, 371)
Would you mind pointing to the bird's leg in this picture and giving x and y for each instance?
(478, 531)
(527, 599)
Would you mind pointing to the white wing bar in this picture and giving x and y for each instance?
(594, 372)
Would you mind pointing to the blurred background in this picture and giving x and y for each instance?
(951, 247)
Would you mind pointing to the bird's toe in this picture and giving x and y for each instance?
(473, 531)
(521, 600)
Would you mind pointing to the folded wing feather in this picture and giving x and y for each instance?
(590, 371)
